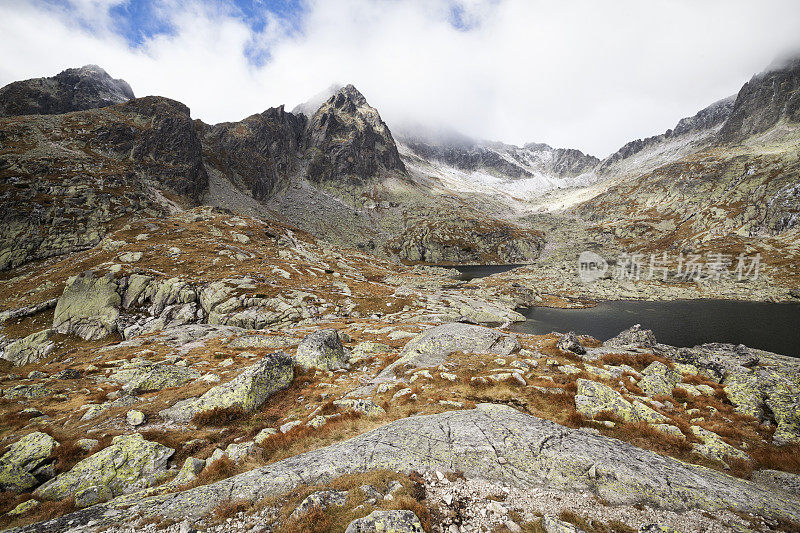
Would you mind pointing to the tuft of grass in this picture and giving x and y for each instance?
(785, 458)
(314, 521)
(220, 469)
(219, 416)
(231, 508)
(408, 503)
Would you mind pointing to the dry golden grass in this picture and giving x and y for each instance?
(231, 508)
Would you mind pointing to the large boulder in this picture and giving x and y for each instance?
(130, 464)
(322, 350)
(89, 307)
(30, 349)
(142, 376)
(433, 346)
(248, 391)
(24, 465)
(386, 522)
(570, 343)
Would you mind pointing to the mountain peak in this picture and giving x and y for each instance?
(74, 89)
(350, 138)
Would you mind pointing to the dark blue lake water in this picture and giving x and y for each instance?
(768, 326)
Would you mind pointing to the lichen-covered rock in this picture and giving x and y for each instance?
(30, 349)
(32, 391)
(189, 471)
(714, 447)
(88, 308)
(386, 522)
(30, 451)
(360, 405)
(247, 391)
(776, 479)
(22, 467)
(366, 349)
(136, 288)
(593, 398)
(570, 343)
(647, 414)
(768, 393)
(135, 418)
(322, 499)
(322, 350)
(131, 463)
(659, 379)
(24, 507)
(634, 336)
(142, 376)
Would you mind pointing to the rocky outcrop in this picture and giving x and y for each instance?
(634, 336)
(88, 308)
(247, 391)
(347, 139)
(27, 463)
(30, 349)
(75, 89)
(322, 350)
(468, 241)
(570, 343)
(131, 463)
(89, 169)
(492, 442)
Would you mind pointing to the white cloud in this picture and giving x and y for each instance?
(580, 73)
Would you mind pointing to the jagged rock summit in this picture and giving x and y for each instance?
(74, 89)
(347, 137)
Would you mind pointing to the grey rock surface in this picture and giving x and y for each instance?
(535, 453)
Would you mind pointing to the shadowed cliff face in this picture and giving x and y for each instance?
(769, 98)
(75, 89)
(258, 152)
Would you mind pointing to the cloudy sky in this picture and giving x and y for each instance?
(588, 74)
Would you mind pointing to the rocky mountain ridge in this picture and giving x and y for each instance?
(75, 89)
